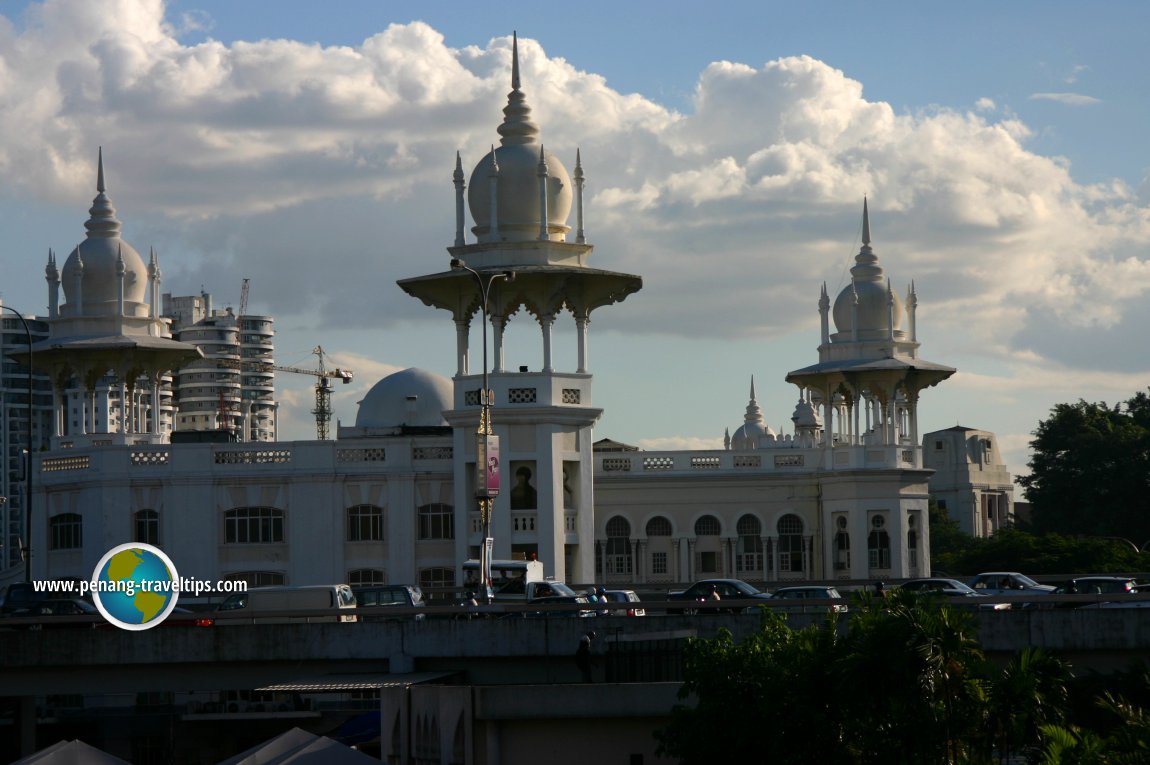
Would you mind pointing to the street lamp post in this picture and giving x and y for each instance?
(26, 548)
(487, 443)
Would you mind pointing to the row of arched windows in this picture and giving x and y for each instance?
(262, 525)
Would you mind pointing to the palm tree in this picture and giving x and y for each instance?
(1030, 692)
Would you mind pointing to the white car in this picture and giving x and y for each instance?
(1008, 583)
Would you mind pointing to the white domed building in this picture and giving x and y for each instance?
(397, 497)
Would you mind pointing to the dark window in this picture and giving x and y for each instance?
(431, 578)
(658, 527)
(148, 527)
(253, 525)
(258, 578)
(791, 557)
(707, 526)
(618, 546)
(362, 576)
(67, 531)
(436, 521)
(364, 523)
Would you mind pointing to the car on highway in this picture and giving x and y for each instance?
(727, 589)
(808, 592)
(628, 597)
(1097, 585)
(371, 596)
(952, 588)
(1008, 583)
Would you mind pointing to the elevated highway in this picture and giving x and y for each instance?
(476, 651)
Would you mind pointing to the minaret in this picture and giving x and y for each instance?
(52, 276)
(868, 365)
(520, 196)
(105, 336)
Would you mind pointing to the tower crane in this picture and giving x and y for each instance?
(322, 409)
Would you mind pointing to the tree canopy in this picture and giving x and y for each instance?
(1090, 470)
(905, 682)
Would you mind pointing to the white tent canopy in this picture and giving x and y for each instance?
(71, 753)
(298, 747)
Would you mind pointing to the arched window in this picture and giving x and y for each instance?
(436, 521)
(361, 576)
(708, 552)
(365, 523)
(912, 548)
(253, 525)
(842, 545)
(436, 576)
(707, 526)
(67, 531)
(658, 527)
(749, 551)
(878, 544)
(618, 546)
(792, 558)
(659, 548)
(258, 578)
(148, 527)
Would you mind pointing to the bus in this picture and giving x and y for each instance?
(508, 577)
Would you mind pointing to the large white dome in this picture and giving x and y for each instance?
(412, 398)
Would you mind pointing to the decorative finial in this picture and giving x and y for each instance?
(866, 224)
(515, 60)
(753, 388)
(102, 220)
(517, 126)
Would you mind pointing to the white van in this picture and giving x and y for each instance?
(275, 605)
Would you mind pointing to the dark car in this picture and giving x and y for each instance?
(727, 589)
(388, 596)
(46, 611)
(952, 588)
(1097, 585)
(626, 597)
(809, 592)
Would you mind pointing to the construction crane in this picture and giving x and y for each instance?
(322, 409)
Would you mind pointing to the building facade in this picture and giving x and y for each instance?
(970, 481)
(232, 387)
(396, 497)
(25, 423)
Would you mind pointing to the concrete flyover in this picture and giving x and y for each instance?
(478, 650)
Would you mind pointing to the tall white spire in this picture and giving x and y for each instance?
(517, 125)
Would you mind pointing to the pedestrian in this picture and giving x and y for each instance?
(583, 657)
(880, 590)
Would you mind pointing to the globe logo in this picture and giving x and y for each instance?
(135, 586)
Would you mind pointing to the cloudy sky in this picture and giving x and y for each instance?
(309, 147)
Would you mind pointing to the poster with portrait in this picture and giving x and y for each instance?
(487, 466)
(523, 494)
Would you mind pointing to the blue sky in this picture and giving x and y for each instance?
(309, 147)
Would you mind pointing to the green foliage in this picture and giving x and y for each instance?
(1016, 550)
(905, 683)
(1090, 470)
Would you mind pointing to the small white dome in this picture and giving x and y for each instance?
(517, 165)
(413, 397)
(101, 255)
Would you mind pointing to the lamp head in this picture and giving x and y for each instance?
(457, 263)
(509, 275)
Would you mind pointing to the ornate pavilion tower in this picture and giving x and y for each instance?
(108, 350)
(520, 197)
(867, 383)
